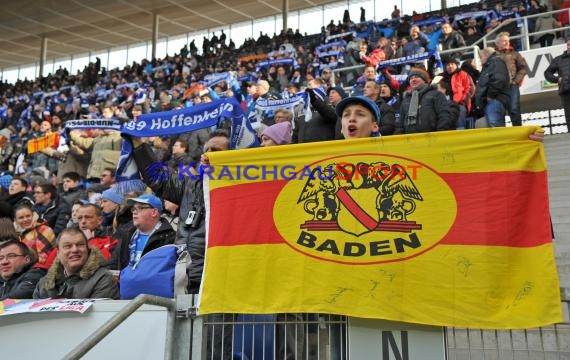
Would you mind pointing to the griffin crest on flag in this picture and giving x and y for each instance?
(341, 193)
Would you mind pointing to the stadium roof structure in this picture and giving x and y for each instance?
(79, 26)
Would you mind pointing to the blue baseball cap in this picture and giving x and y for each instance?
(362, 100)
(148, 199)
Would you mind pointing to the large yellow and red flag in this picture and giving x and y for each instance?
(448, 228)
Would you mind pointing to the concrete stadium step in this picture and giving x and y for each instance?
(557, 149)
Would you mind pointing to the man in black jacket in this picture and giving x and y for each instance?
(50, 207)
(18, 278)
(451, 39)
(16, 194)
(493, 93)
(559, 72)
(374, 92)
(435, 114)
(188, 194)
(321, 126)
(150, 232)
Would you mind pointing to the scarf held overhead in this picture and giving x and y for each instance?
(412, 59)
(178, 122)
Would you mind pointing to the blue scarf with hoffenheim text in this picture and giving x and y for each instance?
(180, 121)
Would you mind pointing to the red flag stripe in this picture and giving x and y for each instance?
(486, 208)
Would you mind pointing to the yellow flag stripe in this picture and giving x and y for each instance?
(465, 286)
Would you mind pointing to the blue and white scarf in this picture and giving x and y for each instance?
(470, 15)
(430, 21)
(178, 122)
(214, 79)
(132, 85)
(107, 124)
(248, 77)
(340, 36)
(336, 53)
(267, 63)
(262, 108)
(412, 59)
(299, 104)
(85, 124)
(321, 48)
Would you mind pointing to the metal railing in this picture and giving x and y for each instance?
(320, 336)
(105, 329)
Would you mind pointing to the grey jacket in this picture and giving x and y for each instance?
(94, 281)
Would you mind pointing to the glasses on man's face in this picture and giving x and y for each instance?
(137, 209)
(39, 192)
(9, 257)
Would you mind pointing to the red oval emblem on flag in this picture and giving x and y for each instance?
(365, 208)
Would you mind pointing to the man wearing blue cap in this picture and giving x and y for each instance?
(359, 117)
(151, 231)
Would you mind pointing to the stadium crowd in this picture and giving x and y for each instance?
(58, 190)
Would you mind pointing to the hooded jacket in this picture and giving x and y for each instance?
(92, 282)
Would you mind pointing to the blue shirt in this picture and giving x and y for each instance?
(136, 248)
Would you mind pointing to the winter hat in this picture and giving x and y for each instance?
(280, 133)
(5, 181)
(421, 73)
(113, 196)
(339, 90)
(394, 85)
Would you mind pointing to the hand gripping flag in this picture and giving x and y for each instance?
(448, 228)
